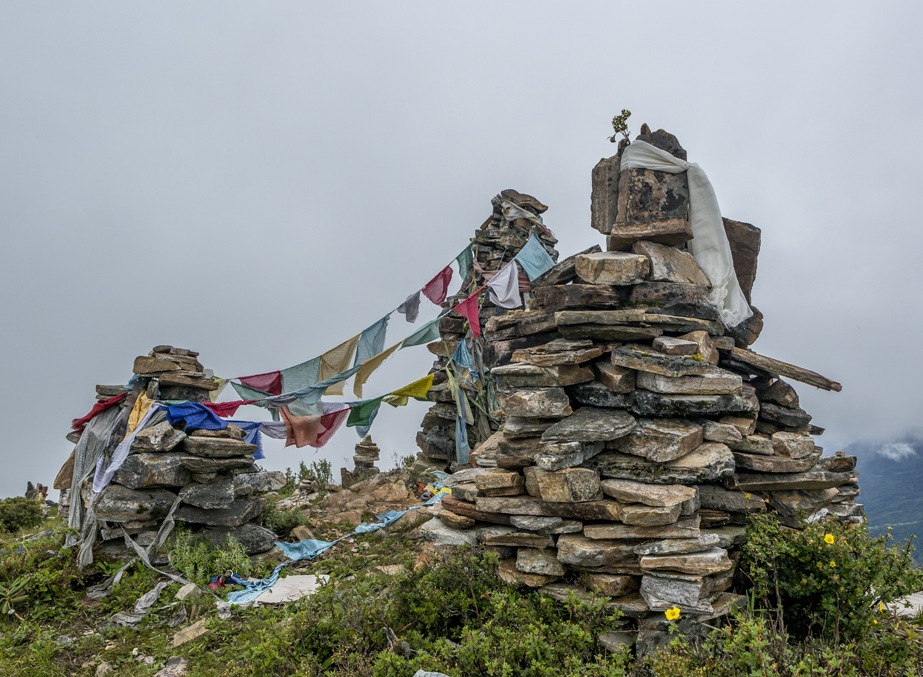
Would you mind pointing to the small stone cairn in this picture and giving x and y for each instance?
(366, 454)
(494, 245)
(211, 470)
(638, 431)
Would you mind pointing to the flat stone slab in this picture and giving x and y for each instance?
(290, 588)
(707, 462)
(197, 464)
(660, 439)
(561, 455)
(714, 431)
(510, 575)
(669, 264)
(535, 402)
(437, 532)
(217, 495)
(613, 585)
(159, 437)
(499, 479)
(571, 485)
(241, 510)
(775, 464)
(680, 546)
(715, 381)
(792, 445)
(684, 528)
(702, 563)
(543, 562)
(779, 368)
(656, 495)
(579, 550)
(216, 447)
(648, 403)
(646, 359)
(121, 504)
(591, 424)
(754, 444)
(615, 378)
(689, 593)
(596, 394)
(152, 470)
(612, 268)
(670, 345)
(714, 497)
(648, 516)
(604, 510)
(531, 376)
(518, 539)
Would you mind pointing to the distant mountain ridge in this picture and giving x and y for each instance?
(891, 484)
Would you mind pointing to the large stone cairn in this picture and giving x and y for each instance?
(494, 245)
(212, 471)
(638, 432)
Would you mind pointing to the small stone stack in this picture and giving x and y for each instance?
(638, 431)
(494, 245)
(366, 455)
(212, 471)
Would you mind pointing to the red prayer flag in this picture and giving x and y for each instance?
(79, 424)
(313, 431)
(437, 288)
(227, 409)
(270, 382)
(469, 309)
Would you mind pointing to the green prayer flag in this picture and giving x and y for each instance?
(465, 260)
(248, 393)
(363, 412)
(425, 334)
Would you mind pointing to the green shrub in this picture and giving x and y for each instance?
(19, 513)
(827, 579)
(282, 521)
(199, 561)
(320, 471)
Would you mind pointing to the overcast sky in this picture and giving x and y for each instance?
(261, 181)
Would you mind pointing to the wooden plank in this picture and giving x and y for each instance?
(466, 509)
(785, 369)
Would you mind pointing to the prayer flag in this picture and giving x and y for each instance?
(437, 288)
(533, 258)
(372, 341)
(336, 361)
(363, 412)
(418, 389)
(301, 375)
(428, 332)
(503, 288)
(410, 308)
(464, 260)
(469, 310)
(369, 366)
(270, 382)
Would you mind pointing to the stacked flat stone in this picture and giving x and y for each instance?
(638, 432)
(212, 471)
(366, 454)
(494, 245)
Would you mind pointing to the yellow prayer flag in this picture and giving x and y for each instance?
(336, 361)
(215, 394)
(417, 389)
(142, 404)
(396, 401)
(369, 366)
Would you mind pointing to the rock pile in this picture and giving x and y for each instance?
(366, 454)
(638, 431)
(211, 471)
(513, 219)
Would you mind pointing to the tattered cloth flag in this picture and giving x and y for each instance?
(503, 288)
(363, 412)
(410, 307)
(369, 366)
(270, 382)
(417, 390)
(336, 361)
(464, 261)
(533, 258)
(462, 357)
(301, 375)
(227, 409)
(469, 310)
(314, 431)
(428, 332)
(437, 288)
(372, 341)
(79, 424)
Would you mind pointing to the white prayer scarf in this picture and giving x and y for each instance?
(503, 288)
(709, 244)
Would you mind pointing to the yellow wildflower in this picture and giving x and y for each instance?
(881, 607)
(672, 614)
(746, 495)
(829, 539)
(875, 622)
(832, 563)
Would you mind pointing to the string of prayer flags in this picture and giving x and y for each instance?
(372, 341)
(533, 258)
(469, 310)
(301, 375)
(369, 366)
(410, 308)
(270, 382)
(425, 334)
(336, 361)
(417, 390)
(503, 288)
(437, 288)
